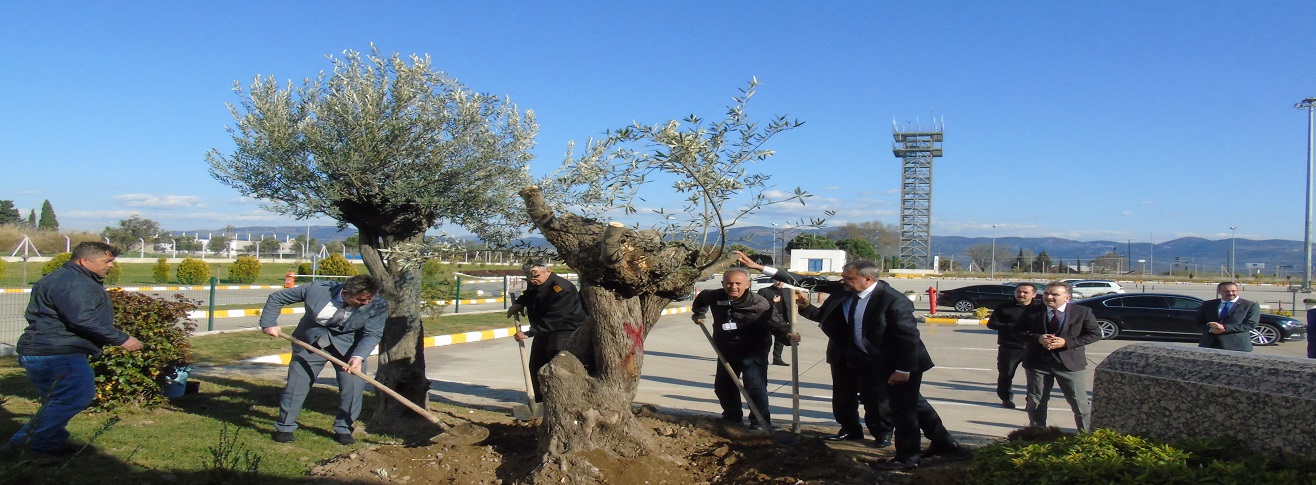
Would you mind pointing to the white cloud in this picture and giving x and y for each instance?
(160, 201)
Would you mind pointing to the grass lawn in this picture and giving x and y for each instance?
(230, 420)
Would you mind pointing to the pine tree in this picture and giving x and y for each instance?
(48, 221)
(8, 213)
(32, 218)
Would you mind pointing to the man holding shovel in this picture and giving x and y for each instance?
(743, 324)
(343, 319)
(553, 306)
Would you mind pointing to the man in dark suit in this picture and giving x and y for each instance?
(343, 319)
(777, 295)
(1010, 351)
(1056, 335)
(873, 334)
(1228, 320)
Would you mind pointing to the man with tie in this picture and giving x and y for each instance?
(343, 319)
(1228, 320)
(1056, 336)
(874, 345)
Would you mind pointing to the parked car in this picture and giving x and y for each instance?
(1041, 287)
(1091, 288)
(1174, 316)
(968, 298)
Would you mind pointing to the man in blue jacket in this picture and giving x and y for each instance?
(346, 321)
(69, 319)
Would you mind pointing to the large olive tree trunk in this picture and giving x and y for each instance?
(401, 356)
(626, 277)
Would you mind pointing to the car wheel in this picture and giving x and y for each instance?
(1265, 335)
(1109, 329)
(965, 306)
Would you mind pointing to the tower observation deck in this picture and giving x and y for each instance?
(916, 149)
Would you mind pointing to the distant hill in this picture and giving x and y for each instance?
(1204, 255)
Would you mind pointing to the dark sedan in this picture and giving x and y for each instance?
(1174, 316)
(968, 298)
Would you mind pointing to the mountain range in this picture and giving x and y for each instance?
(1205, 256)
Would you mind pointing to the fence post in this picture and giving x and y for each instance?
(210, 315)
(504, 292)
(457, 300)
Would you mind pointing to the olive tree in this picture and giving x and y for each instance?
(629, 274)
(392, 147)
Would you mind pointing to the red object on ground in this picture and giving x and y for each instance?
(932, 300)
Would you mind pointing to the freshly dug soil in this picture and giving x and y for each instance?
(694, 450)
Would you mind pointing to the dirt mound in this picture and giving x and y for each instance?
(694, 450)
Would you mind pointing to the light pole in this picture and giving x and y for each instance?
(1232, 274)
(66, 246)
(1151, 252)
(141, 250)
(993, 251)
(1308, 104)
(775, 261)
(173, 247)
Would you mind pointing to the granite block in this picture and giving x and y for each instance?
(1171, 392)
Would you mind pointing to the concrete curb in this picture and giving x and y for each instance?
(440, 340)
(953, 321)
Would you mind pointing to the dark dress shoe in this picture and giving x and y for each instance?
(844, 436)
(893, 465)
(1007, 404)
(284, 436)
(344, 439)
(882, 442)
(779, 362)
(945, 449)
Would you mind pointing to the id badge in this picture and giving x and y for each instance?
(729, 326)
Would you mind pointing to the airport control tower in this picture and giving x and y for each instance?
(916, 149)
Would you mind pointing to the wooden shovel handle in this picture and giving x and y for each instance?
(382, 388)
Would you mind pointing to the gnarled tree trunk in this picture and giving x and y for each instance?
(626, 277)
(401, 357)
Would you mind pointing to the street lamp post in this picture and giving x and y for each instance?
(775, 260)
(1308, 104)
(1233, 274)
(993, 251)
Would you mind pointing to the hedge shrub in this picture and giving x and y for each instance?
(438, 283)
(192, 271)
(134, 378)
(113, 276)
(244, 271)
(55, 262)
(2, 268)
(337, 265)
(160, 272)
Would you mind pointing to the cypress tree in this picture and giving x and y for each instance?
(48, 221)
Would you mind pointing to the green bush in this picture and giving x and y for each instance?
(2, 268)
(193, 271)
(303, 268)
(1105, 456)
(160, 272)
(134, 378)
(113, 276)
(437, 283)
(55, 262)
(336, 265)
(244, 271)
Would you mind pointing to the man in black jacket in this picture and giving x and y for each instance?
(877, 337)
(69, 319)
(1010, 351)
(743, 324)
(777, 295)
(555, 311)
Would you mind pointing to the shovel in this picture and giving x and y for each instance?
(524, 412)
(464, 434)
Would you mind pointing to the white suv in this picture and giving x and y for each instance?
(1091, 288)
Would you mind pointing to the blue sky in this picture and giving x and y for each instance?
(1085, 120)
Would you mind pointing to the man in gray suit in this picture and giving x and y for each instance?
(1228, 320)
(1056, 335)
(346, 321)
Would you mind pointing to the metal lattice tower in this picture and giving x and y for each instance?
(916, 149)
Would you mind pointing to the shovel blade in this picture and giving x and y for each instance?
(465, 435)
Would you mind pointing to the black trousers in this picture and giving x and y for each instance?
(752, 369)
(1007, 363)
(910, 413)
(850, 388)
(542, 349)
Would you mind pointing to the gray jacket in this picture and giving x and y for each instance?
(356, 337)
